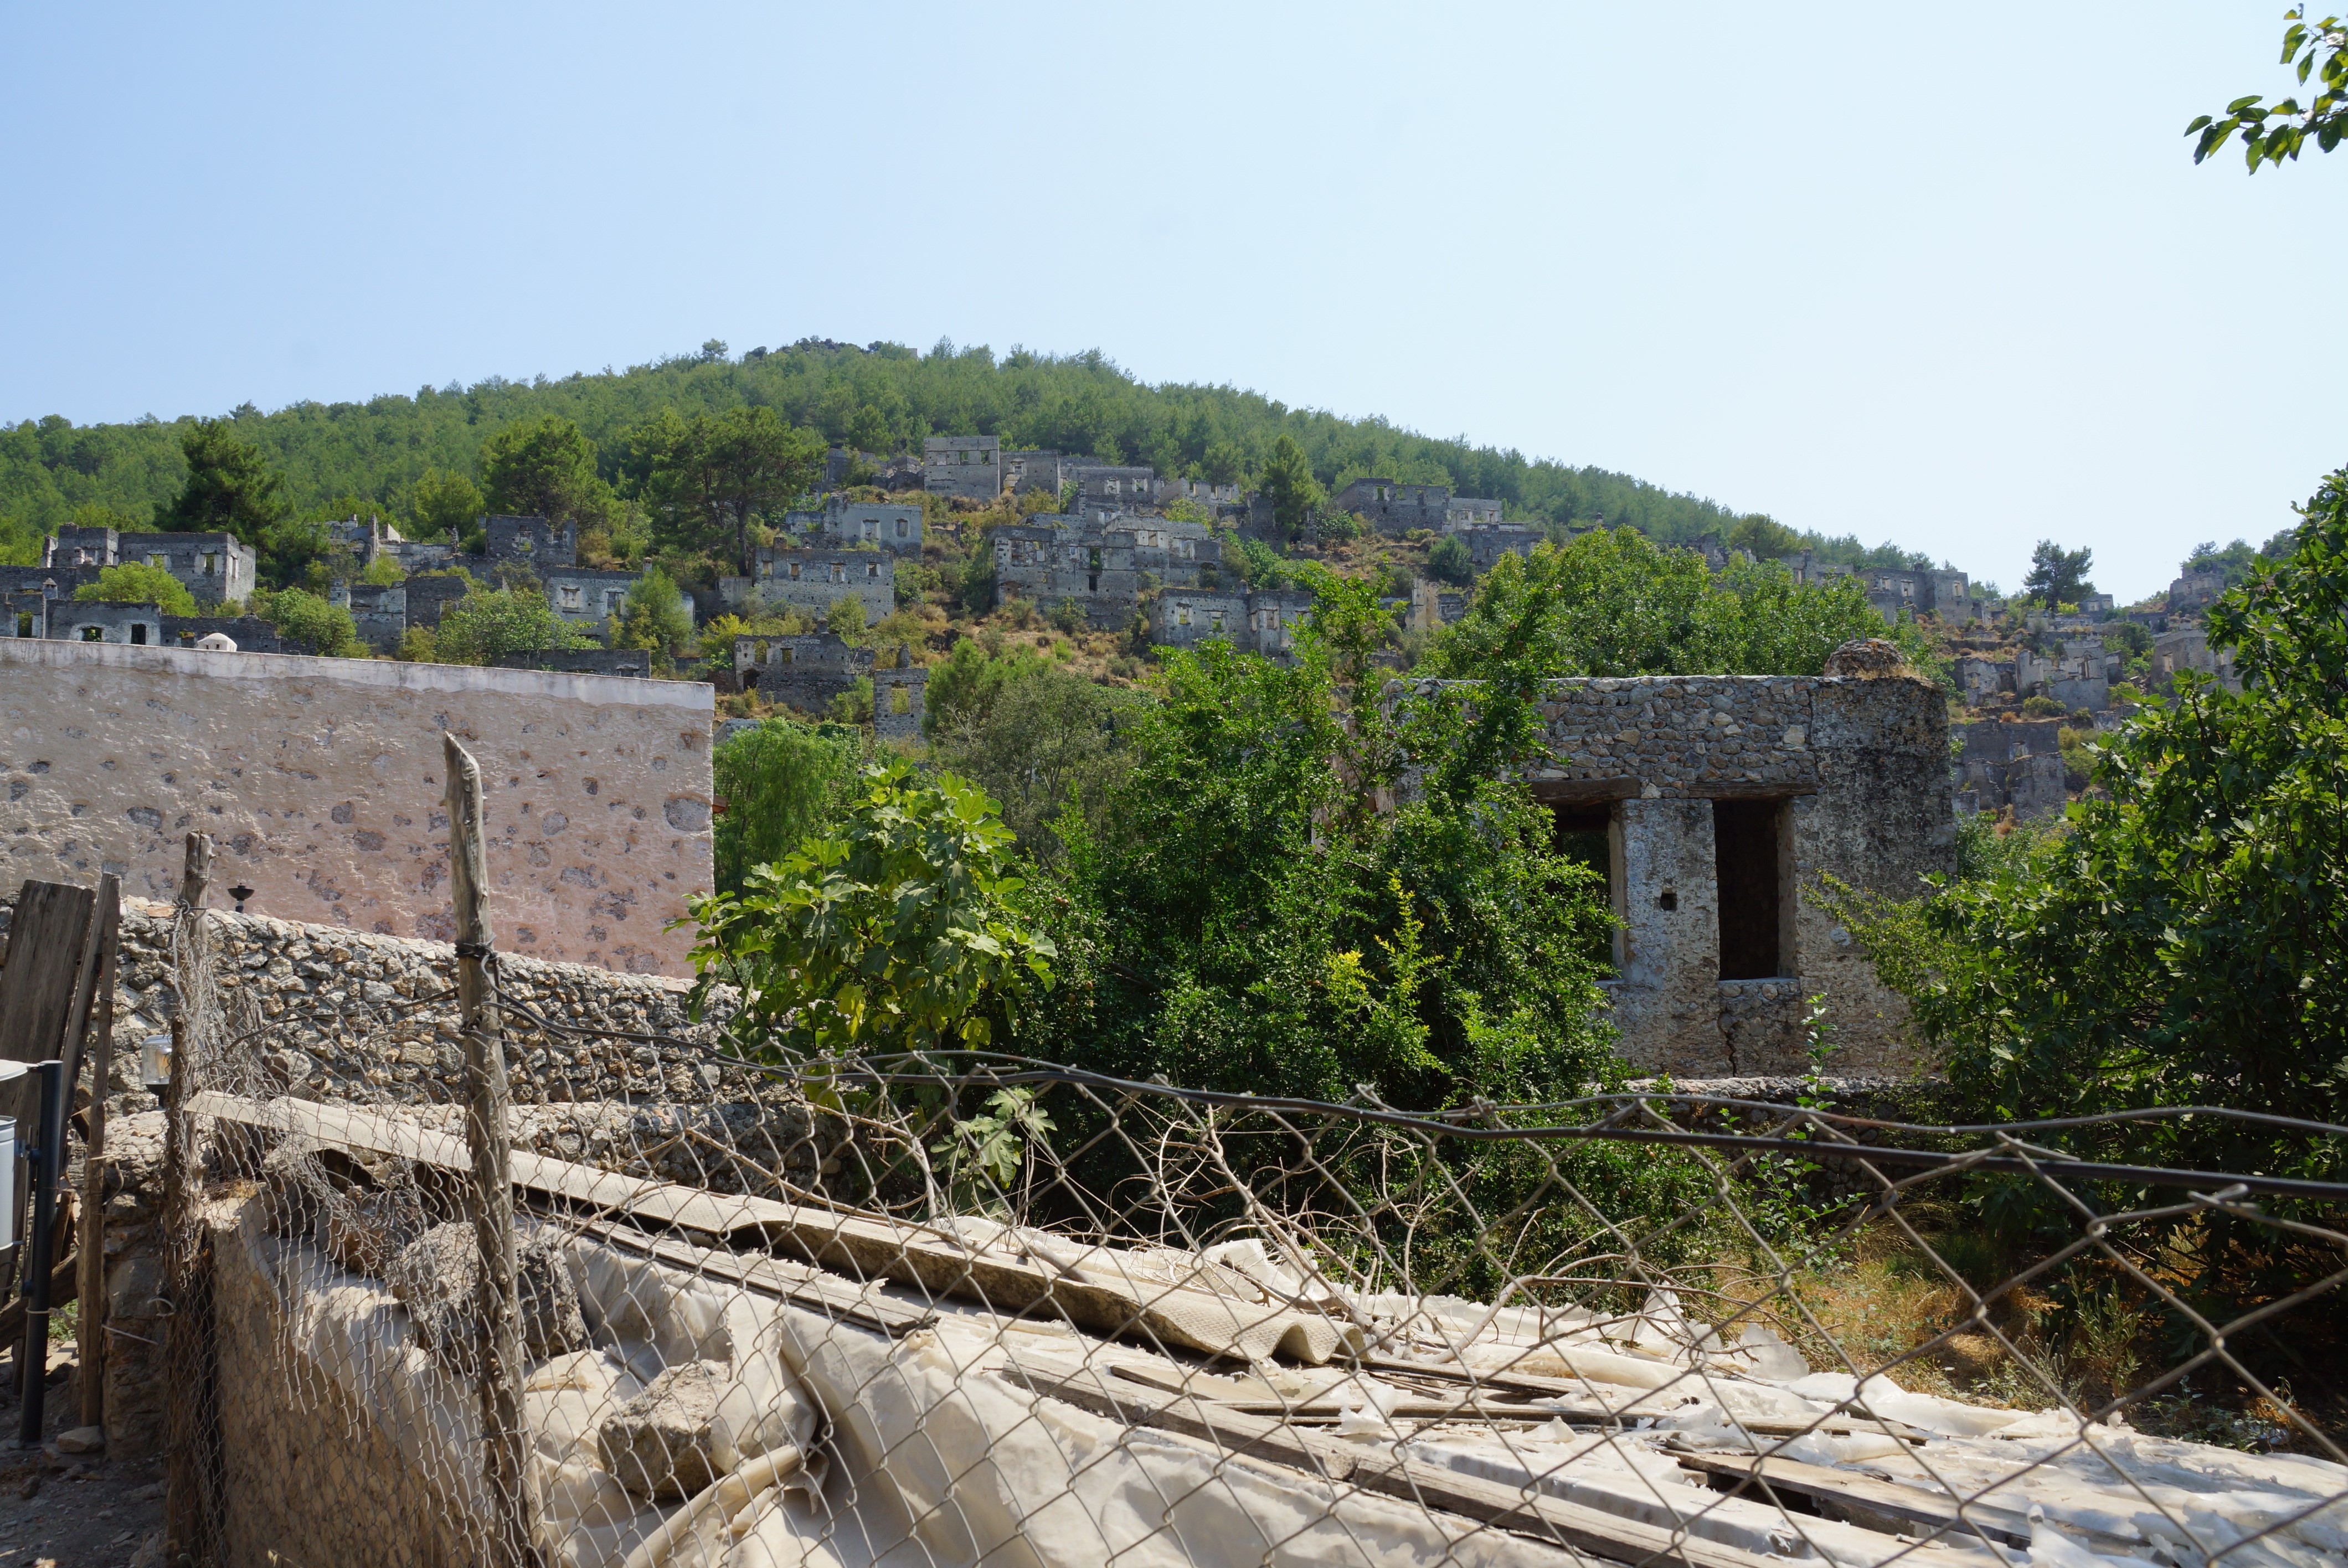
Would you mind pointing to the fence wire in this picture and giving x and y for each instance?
(986, 1310)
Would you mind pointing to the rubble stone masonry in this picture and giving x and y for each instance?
(320, 781)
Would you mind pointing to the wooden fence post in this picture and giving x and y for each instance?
(90, 1233)
(193, 1432)
(505, 1443)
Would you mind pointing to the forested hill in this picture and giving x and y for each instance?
(337, 458)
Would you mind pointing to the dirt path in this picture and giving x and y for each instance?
(72, 1511)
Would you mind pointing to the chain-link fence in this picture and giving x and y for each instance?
(987, 1310)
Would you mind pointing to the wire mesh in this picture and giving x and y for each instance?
(983, 1309)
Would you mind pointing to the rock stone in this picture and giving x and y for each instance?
(661, 1444)
(1868, 658)
(82, 1441)
(364, 1230)
(437, 1278)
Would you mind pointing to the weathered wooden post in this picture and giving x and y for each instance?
(90, 1286)
(193, 1417)
(505, 1443)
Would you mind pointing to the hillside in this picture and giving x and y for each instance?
(345, 457)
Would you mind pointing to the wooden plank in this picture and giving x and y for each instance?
(1552, 1521)
(44, 949)
(1863, 1493)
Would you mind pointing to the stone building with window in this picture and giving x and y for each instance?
(535, 543)
(211, 566)
(840, 523)
(1263, 621)
(812, 580)
(969, 465)
(1715, 806)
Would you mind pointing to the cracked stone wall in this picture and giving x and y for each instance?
(320, 781)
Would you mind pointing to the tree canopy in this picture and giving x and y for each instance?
(2058, 576)
(136, 582)
(885, 398)
(229, 486)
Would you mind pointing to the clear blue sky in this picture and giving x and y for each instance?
(1945, 274)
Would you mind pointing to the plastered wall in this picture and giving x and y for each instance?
(320, 781)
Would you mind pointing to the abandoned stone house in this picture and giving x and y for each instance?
(379, 612)
(34, 616)
(841, 522)
(1107, 564)
(1432, 607)
(536, 543)
(1488, 542)
(1105, 492)
(1052, 558)
(592, 598)
(1263, 621)
(809, 673)
(1714, 805)
(211, 566)
(2016, 763)
(2188, 648)
(812, 580)
(2195, 590)
(1945, 594)
(1392, 508)
(968, 465)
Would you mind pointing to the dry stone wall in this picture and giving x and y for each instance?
(320, 781)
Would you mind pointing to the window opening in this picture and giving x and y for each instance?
(138, 633)
(1579, 831)
(1746, 836)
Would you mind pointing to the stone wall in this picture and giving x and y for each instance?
(320, 781)
(1847, 777)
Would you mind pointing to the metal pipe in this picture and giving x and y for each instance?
(33, 1366)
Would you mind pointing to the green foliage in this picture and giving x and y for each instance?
(308, 620)
(444, 504)
(845, 619)
(1031, 735)
(383, 572)
(542, 466)
(979, 1160)
(707, 478)
(2238, 559)
(776, 784)
(1240, 914)
(136, 582)
(2181, 942)
(901, 930)
(1068, 618)
(487, 623)
(2319, 50)
(654, 615)
(230, 488)
(1447, 561)
(1288, 482)
(2058, 576)
(1613, 602)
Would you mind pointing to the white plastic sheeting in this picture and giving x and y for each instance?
(846, 1446)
